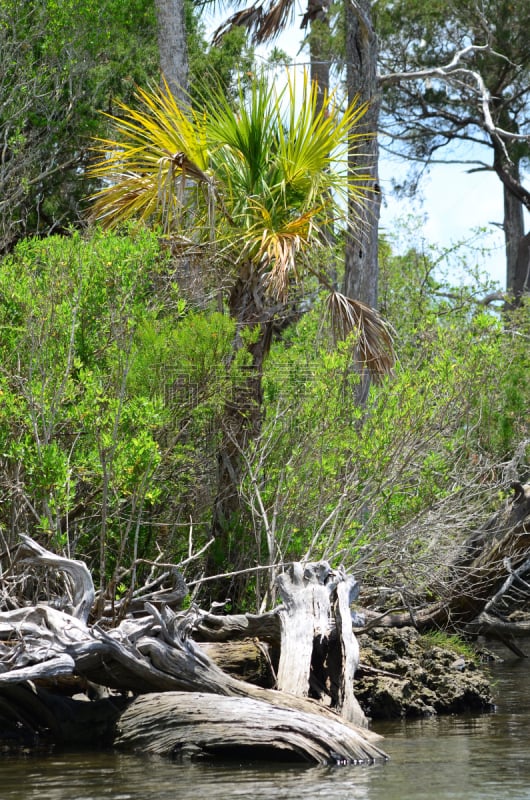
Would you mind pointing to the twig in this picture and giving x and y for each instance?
(366, 668)
(238, 572)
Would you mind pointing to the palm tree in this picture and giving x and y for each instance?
(265, 20)
(251, 186)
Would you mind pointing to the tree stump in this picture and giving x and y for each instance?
(318, 646)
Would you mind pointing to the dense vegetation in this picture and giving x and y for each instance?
(118, 363)
(113, 386)
(61, 65)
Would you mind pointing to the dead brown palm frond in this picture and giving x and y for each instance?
(264, 21)
(249, 18)
(274, 20)
(188, 168)
(374, 346)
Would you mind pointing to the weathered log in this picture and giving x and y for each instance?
(81, 594)
(221, 628)
(346, 591)
(204, 725)
(312, 632)
(248, 659)
(156, 653)
(505, 631)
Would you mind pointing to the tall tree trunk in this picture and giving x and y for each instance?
(317, 16)
(172, 46)
(521, 283)
(319, 45)
(361, 266)
(361, 257)
(513, 234)
(516, 199)
(320, 61)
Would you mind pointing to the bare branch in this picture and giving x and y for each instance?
(429, 72)
(452, 71)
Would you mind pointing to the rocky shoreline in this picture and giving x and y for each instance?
(403, 674)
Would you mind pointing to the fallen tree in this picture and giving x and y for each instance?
(170, 691)
(479, 577)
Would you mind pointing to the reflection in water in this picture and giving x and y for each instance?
(460, 758)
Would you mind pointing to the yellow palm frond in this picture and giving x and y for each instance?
(274, 240)
(146, 171)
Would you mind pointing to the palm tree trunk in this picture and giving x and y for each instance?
(242, 418)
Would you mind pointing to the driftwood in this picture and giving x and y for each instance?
(175, 677)
(312, 631)
(80, 598)
(248, 659)
(155, 653)
(205, 725)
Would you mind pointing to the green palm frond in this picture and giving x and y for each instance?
(315, 142)
(273, 150)
(249, 126)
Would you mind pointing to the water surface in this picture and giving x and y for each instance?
(484, 757)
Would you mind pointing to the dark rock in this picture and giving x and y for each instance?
(403, 674)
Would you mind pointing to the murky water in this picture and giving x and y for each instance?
(465, 758)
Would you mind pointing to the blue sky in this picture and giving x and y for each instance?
(454, 205)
